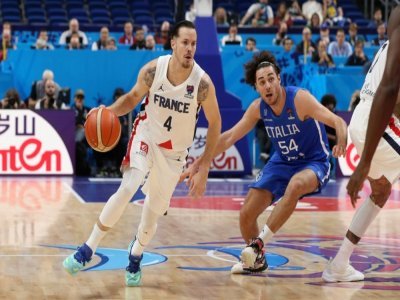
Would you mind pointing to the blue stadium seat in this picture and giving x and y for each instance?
(37, 19)
(117, 5)
(101, 21)
(144, 20)
(299, 22)
(12, 18)
(141, 5)
(10, 11)
(35, 12)
(140, 12)
(100, 12)
(75, 12)
(83, 19)
(160, 20)
(120, 13)
(121, 20)
(161, 5)
(56, 11)
(58, 19)
(162, 12)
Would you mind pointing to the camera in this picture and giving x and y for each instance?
(64, 96)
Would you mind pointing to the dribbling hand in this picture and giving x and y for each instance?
(339, 150)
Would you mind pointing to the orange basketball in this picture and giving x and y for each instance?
(102, 129)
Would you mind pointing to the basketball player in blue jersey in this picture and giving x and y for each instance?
(300, 165)
(375, 131)
(174, 87)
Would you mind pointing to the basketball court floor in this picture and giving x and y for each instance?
(42, 220)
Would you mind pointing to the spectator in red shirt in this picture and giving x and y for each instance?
(127, 38)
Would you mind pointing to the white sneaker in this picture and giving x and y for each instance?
(239, 269)
(248, 257)
(333, 274)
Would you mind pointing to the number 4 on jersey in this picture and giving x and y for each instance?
(286, 149)
(168, 123)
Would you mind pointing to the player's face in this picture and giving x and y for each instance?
(268, 85)
(184, 46)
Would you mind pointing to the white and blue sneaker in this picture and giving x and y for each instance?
(77, 261)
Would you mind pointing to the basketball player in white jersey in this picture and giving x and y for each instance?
(174, 87)
(375, 131)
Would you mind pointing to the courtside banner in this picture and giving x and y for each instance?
(37, 142)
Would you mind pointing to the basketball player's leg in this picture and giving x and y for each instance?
(339, 269)
(111, 213)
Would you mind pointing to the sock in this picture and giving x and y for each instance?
(137, 248)
(265, 234)
(343, 256)
(95, 237)
(116, 205)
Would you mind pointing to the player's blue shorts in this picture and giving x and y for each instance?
(275, 175)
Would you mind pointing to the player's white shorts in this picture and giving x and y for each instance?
(386, 160)
(163, 167)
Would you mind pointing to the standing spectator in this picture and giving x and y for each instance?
(310, 7)
(256, 7)
(127, 38)
(295, 10)
(150, 42)
(358, 58)
(281, 34)
(321, 57)
(353, 36)
(74, 42)
(251, 44)
(340, 47)
(220, 17)
(324, 34)
(306, 46)
(377, 18)
(42, 43)
(282, 15)
(315, 21)
(101, 43)
(111, 44)
(49, 101)
(381, 38)
(232, 37)
(38, 88)
(66, 36)
(139, 42)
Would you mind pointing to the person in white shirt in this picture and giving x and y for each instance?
(310, 7)
(73, 28)
(233, 36)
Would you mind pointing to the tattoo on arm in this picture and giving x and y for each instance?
(149, 76)
(203, 91)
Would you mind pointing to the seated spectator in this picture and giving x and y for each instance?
(139, 42)
(127, 38)
(264, 17)
(74, 42)
(163, 37)
(332, 13)
(376, 18)
(287, 57)
(101, 43)
(7, 27)
(355, 99)
(321, 57)
(42, 43)
(81, 146)
(358, 58)
(66, 36)
(324, 34)
(6, 43)
(282, 15)
(256, 7)
(306, 46)
(381, 38)
(295, 10)
(310, 7)
(150, 42)
(220, 17)
(353, 36)
(340, 47)
(38, 88)
(49, 101)
(190, 15)
(251, 44)
(315, 21)
(111, 44)
(11, 100)
(281, 34)
(233, 37)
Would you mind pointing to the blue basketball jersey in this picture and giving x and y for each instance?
(292, 138)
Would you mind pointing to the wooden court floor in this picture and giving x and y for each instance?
(43, 219)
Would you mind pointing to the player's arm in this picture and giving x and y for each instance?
(385, 99)
(308, 107)
(127, 102)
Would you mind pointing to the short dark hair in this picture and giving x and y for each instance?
(259, 60)
(184, 23)
(328, 99)
(251, 39)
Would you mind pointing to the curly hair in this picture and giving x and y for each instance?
(259, 60)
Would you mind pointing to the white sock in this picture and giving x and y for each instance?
(137, 248)
(95, 238)
(265, 234)
(343, 256)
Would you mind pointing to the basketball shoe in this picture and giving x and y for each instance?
(259, 266)
(252, 252)
(77, 261)
(335, 274)
(133, 274)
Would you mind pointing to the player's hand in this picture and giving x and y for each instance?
(339, 150)
(356, 181)
(197, 184)
(189, 172)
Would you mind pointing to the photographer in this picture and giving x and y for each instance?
(11, 100)
(49, 101)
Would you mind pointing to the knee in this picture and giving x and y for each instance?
(125, 192)
(380, 197)
(295, 189)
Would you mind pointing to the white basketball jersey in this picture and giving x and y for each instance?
(171, 111)
(374, 75)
